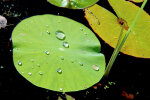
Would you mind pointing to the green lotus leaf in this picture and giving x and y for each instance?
(73, 4)
(57, 53)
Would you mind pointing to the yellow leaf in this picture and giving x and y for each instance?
(109, 27)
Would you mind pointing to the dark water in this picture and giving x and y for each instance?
(129, 73)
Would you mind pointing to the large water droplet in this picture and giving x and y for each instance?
(65, 3)
(60, 35)
(65, 44)
(19, 63)
(47, 52)
(29, 73)
(95, 67)
(59, 70)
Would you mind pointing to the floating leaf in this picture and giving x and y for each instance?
(59, 98)
(73, 4)
(108, 26)
(137, 1)
(47, 63)
(68, 97)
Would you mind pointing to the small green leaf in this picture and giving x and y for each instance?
(73, 4)
(57, 53)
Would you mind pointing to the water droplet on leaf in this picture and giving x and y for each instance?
(72, 3)
(65, 44)
(60, 35)
(81, 29)
(48, 32)
(65, 3)
(47, 52)
(19, 63)
(62, 58)
(59, 70)
(60, 89)
(38, 65)
(30, 73)
(95, 67)
(40, 73)
(81, 64)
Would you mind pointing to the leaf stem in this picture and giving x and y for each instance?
(120, 43)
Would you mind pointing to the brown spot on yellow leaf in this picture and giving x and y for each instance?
(122, 23)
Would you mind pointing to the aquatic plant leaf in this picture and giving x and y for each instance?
(73, 4)
(68, 97)
(57, 53)
(108, 26)
(59, 98)
(136, 1)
